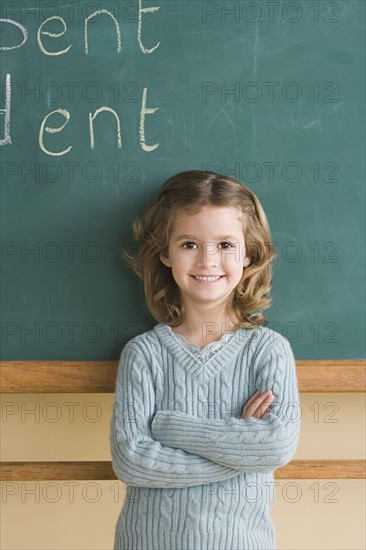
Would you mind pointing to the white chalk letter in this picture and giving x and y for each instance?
(49, 130)
(139, 26)
(91, 126)
(146, 111)
(6, 112)
(53, 35)
(23, 29)
(119, 46)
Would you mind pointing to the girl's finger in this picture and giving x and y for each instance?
(250, 402)
(261, 402)
(254, 404)
(257, 401)
(267, 402)
(254, 396)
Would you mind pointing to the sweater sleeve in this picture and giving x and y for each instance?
(137, 459)
(250, 445)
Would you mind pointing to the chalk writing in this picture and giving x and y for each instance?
(54, 28)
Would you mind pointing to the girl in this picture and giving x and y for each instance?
(207, 403)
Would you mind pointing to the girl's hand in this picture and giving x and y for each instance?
(258, 405)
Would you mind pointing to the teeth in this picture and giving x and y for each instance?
(207, 279)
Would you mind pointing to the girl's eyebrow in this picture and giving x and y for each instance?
(189, 236)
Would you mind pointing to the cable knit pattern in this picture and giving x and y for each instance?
(198, 476)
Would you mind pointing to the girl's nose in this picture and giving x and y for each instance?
(209, 254)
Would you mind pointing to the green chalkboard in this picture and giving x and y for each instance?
(270, 92)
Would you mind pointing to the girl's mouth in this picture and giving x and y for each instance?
(207, 280)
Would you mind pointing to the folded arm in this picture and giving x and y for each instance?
(251, 445)
(137, 458)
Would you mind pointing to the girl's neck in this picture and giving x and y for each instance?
(204, 332)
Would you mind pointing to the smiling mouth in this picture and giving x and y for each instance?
(207, 279)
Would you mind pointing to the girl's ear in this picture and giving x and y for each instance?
(246, 262)
(164, 260)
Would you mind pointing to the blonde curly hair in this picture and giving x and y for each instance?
(189, 192)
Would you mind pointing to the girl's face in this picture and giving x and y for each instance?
(209, 243)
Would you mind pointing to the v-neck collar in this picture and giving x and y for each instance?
(211, 366)
(196, 347)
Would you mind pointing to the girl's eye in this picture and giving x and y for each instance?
(232, 246)
(187, 243)
(190, 242)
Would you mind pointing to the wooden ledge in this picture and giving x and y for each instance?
(103, 471)
(100, 376)
(322, 469)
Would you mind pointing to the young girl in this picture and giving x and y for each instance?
(207, 403)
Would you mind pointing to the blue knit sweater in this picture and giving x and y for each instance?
(198, 476)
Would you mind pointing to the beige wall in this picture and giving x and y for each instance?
(308, 514)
